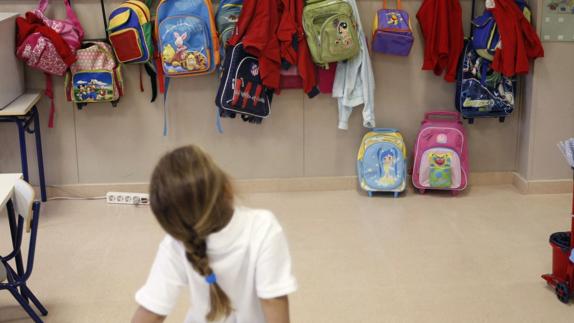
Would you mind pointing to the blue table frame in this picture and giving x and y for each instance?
(24, 124)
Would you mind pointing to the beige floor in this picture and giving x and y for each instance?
(432, 258)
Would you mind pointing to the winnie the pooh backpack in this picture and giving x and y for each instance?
(381, 162)
(95, 76)
(441, 153)
(187, 42)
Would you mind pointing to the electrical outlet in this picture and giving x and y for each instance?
(127, 198)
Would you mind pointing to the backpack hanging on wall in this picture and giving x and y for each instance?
(485, 36)
(226, 19)
(131, 36)
(331, 31)
(392, 31)
(482, 92)
(187, 38)
(95, 76)
(187, 43)
(241, 90)
(49, 45)
(381, 162)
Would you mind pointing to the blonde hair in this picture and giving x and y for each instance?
(192, 197)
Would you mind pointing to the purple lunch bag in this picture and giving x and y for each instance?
(392, 32)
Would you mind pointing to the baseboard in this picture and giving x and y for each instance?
(296, 184)
(525, 186)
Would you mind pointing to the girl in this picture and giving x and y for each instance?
(234, 261)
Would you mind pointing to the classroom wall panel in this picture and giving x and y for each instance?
(101, 144)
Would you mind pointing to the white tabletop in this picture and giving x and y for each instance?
(7, 182)
(21, 105)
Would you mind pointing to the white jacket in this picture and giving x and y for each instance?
(355, 83)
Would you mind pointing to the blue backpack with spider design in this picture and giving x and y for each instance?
(381, 162)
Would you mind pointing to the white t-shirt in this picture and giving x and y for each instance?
(250, 258)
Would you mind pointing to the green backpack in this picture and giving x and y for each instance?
(331, 30)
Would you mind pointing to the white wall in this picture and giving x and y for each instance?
(101, 144)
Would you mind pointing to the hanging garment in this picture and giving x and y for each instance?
(519, 39)
(441, 24)
(355, 83)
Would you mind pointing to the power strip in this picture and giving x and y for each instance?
(127, 198)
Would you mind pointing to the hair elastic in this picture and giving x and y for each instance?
(211, 279)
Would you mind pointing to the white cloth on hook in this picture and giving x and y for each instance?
(355, 82)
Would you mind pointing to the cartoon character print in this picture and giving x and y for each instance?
(232, 18)
(394, 19)
(440, 169)
(93, 91)
(388, 170)
(254, 70)
(344, 37)
(181, 51)
(181, 57)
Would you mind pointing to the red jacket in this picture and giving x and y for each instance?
(441, 24)
(519, 40)
(268, 30)
(257, 29)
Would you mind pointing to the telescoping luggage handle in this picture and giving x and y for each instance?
(399, 6)
(451, 116)
(385, 130)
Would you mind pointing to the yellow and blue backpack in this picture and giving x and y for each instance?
(381, 162)
(130, 33)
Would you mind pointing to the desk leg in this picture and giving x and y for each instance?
(39, 153)
(23, 152)
(16, 234)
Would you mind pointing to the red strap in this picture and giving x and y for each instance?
(141, 80)
(246, 97)
(50, 94)
(117, 81)
(258, 91)
(160, 76)
(236, 92)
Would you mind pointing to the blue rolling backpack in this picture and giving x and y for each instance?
(381, 162)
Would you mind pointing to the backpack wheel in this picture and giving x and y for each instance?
(454, 193)
(396, 194)
(563, 293)
(470, 120)
(501, 119)
(370, 194)
(115, 103)
(421, 190)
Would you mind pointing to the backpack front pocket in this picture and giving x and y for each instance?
(393, 43)
(440, 168)
(93, 86)
(185, 45)
(127, 45)
(383, 167)
(338, 39)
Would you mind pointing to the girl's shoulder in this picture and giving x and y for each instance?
(258, 218)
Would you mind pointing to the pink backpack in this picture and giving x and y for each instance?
(441, 153)
(39, 52)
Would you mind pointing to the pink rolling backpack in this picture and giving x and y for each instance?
(38, 46)
(441, 153)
